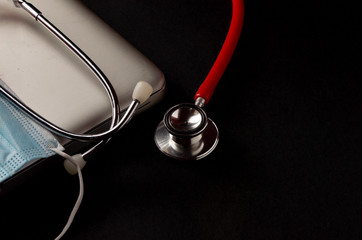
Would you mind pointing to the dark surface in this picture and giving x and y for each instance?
(289, 111)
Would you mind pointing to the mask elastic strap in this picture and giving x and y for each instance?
(81, 191)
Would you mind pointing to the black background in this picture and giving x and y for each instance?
(289, 111)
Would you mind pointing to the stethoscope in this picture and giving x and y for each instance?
(185, 132)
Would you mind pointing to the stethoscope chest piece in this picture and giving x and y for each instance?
(186, 133)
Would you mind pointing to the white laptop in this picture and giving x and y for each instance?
(51, 80)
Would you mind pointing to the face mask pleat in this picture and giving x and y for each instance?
(21, 139)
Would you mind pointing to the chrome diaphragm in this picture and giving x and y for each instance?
(186, 133)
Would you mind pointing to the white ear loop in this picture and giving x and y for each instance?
(81, 191)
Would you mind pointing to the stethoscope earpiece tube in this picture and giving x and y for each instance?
(185, 132)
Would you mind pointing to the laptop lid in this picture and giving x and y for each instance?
(51, 80)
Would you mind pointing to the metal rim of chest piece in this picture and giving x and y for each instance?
(186, 133)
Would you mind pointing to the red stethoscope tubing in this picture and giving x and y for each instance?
(207, 88)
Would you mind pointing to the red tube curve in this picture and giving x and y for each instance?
(207, 88)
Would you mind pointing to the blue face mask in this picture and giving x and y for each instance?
(21, 139)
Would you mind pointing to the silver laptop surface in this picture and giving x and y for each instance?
(54, 82)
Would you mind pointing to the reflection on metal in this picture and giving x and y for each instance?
(186, 133)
